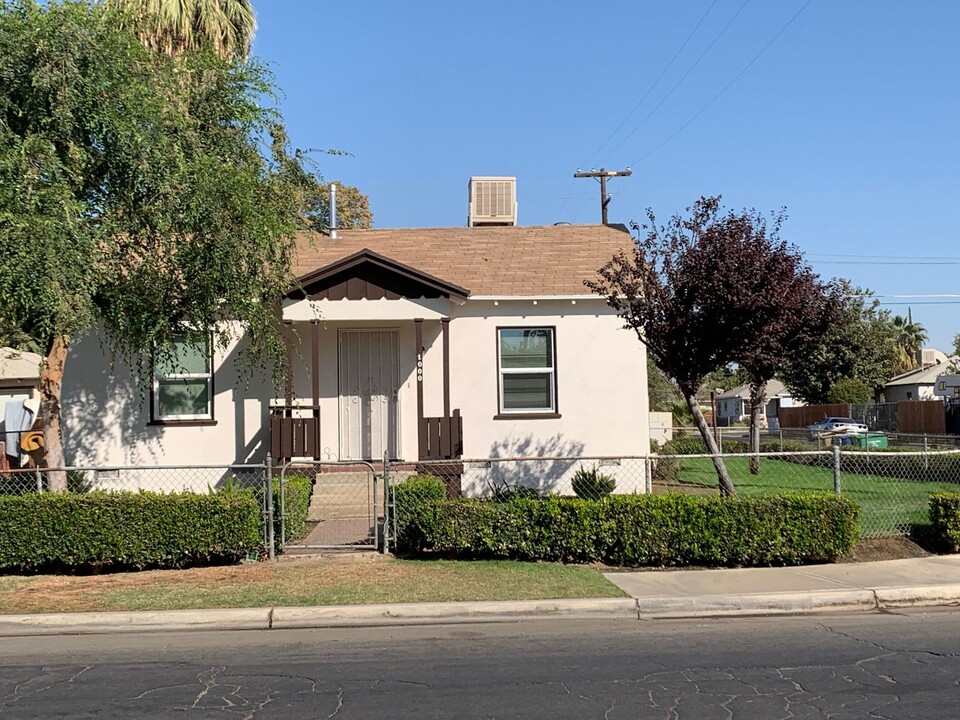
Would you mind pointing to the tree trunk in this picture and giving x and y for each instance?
(51, 387)
(723, 477)
(757, 393)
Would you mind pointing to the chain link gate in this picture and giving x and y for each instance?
(341, 512)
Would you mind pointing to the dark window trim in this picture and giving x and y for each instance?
(182, 423)
(528, 415)
(192, 422)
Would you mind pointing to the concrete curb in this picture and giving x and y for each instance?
(918, 596)
(784, 603)
(278, 618)
(434, 613)
(149, 621)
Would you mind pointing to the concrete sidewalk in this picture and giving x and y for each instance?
(868, 585)
(865, 587)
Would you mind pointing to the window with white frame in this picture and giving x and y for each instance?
(183, 381)
(527, 368)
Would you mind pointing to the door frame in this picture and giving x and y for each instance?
(340, 428)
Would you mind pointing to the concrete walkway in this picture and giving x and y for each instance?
(865, 587)
(887, 583)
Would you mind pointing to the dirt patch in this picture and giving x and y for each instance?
(885, 548)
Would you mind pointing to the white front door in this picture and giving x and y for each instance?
(369, 384)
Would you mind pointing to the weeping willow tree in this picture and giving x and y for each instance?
(133, 201)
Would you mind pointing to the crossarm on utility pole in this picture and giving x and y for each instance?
(602, 175)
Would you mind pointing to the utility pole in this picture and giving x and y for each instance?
(603, 174)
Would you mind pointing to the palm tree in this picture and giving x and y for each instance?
(909, 337)
(175, 26)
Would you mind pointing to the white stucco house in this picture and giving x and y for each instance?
(919, 383)
(421, 344)
(733, 406)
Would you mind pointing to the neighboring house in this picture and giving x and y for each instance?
(661, 427)
(419, 344)
(733, 406)
(918, 384)
(947, 386)
(19, 375)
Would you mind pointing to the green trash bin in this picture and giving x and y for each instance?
(872, 440)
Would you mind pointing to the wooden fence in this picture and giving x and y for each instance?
(911, 416)
(922, 416)
(800, 417)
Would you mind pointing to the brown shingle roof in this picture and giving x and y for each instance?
(535, 260)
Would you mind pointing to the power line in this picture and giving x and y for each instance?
(888, 262)
(682, 78)
(727, 86)
(655, 83)
(928, 295)
(857, 256)
(923, 302)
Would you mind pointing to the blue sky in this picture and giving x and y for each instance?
(846, 113)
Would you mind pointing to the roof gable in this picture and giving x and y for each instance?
(366, 275)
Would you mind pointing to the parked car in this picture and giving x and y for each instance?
(837, 424)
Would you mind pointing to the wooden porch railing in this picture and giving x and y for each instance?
(292, 436)
(441, 438)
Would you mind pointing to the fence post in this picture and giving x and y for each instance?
(386, 502)
(648, 475)
(268, 495)
(836, 469)
(926, 460)
(39, 475)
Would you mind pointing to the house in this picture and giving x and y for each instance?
(477, 342)
(733, 406)
(947, 386)
(920, 383)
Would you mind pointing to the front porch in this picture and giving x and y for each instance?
(357, 366)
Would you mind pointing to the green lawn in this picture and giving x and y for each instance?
(303, 582)
(889, 505)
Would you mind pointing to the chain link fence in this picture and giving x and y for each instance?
(158, 479)
(892, 487)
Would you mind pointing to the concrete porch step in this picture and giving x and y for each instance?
(329, 513)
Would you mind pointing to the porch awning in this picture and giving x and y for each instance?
(370, 286)
(354, 310)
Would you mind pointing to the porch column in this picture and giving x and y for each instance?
(288, 372)
(315, 384)
(421, 428)
(445, 328)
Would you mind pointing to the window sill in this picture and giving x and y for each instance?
(528, 416)
(181, 423)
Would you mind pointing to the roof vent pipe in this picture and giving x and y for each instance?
(333, 211)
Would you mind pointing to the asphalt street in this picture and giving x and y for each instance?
(891, 665)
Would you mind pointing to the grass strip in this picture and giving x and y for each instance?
(306, 582)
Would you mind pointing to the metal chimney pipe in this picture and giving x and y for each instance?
(333, 211)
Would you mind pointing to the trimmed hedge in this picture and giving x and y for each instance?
(414, 501)
(296, 505)
(126, 530)
(633, 530)
(889, 463)
(774, 446)
(945, 518)
(694, 445)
